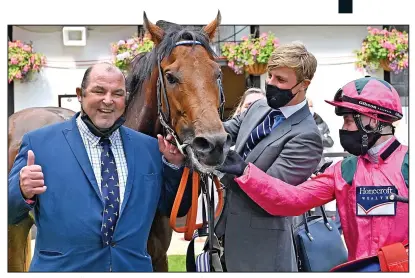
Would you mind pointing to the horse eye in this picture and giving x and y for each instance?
(170, 78)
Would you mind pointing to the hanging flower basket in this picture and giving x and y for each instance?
(385, 65)
(124, 51)
(256, 69)
(251, 55)
(23, 61)
(383, 49)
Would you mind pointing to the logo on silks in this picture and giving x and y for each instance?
(374, 200)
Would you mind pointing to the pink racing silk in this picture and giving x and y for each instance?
(364, 235)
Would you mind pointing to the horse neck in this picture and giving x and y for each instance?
(141, 115)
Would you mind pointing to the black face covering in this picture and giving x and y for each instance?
(102, 132)
(277, 97)
(358, 142)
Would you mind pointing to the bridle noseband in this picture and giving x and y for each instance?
(165, 118)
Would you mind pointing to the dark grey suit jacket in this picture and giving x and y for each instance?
(254, 239)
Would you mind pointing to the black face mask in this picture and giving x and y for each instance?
(358, 142)
(102, 132)
(277, 97)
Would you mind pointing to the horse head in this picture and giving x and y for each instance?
(189, 90)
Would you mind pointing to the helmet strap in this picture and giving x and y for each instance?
(369, 136)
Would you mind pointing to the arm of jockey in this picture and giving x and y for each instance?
(171, 181)
(279, 198)
(18, 206)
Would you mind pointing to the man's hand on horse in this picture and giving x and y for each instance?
(234, 164)
(31, 178)
(171, 152)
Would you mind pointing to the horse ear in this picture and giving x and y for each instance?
(211, 28)
(155, 32)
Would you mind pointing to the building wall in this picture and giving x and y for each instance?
(332, 45)
(64, 71)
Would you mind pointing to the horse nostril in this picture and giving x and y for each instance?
(228, 143)
(202, 144)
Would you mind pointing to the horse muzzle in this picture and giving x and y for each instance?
(211, 150)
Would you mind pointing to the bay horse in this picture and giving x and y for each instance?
(177, 87)
(178, 78)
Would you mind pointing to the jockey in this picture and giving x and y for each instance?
(361, 184)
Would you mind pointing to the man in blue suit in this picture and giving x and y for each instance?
(94, 185)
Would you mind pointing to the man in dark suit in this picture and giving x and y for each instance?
(94, 185)
(280, 136)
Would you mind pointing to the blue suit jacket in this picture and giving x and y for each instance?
(68, 215)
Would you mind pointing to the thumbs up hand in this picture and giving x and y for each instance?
(31, 178)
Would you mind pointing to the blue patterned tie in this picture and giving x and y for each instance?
(262, 130)
(110, 191)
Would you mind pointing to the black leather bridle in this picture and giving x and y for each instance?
(162, 92)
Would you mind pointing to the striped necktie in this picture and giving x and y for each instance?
(262, 130)
(110, 191)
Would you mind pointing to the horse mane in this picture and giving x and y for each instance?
(143, 64)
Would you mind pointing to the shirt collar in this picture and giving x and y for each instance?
(92, 138)
(287, 111)
(373, 153)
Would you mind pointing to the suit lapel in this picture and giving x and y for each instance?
(256, 116)
(278, 132)
(275, 134)
(129, 151)
(74, 139)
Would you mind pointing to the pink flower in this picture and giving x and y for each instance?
(244, 38)
(27, 48)
(114, 49)
(134, 46)
(374, 31)
(14, 61)
(264, 35)
(389, 46)
(254, 52)
(369, 28)
(130, 41)
(263, 43)
(35, 67)
(121, 42)
(32, 59)
(18, 74)
(26, 69)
